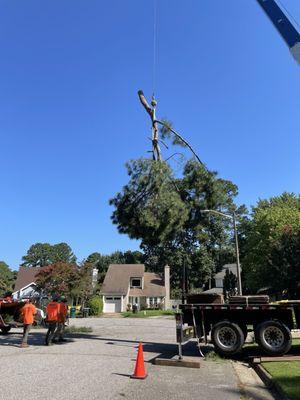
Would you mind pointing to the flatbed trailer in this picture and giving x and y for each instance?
(229, 324)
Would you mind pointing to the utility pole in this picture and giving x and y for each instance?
(152, 113)
(184, 283)
(237, 253)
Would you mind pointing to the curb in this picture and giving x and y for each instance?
(250, 384)
(268, 381)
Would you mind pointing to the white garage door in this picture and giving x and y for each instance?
(112, 304)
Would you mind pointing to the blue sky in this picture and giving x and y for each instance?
(70, 116)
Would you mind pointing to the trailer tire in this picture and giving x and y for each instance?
(227, 337)
(274, 338)
(5, 329)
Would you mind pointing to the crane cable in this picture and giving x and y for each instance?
(154, 67)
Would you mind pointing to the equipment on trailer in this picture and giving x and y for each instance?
(10, 315)
(229, 324)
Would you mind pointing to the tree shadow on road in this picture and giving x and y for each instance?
(14, 339)
(190, 349)
(162, 350)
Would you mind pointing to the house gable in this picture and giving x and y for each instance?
(118, 276)
(26, 276)
(132, 280)
(153, 286)
(126, 284)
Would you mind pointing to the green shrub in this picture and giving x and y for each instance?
(96, 305)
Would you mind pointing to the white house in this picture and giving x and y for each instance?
(126, 284)
(219, 278)
(26, 281)
(25, 284)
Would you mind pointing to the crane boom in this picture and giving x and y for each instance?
(283, 24)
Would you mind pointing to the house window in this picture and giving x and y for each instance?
(153, 302)
(136, 283)
(134, 300)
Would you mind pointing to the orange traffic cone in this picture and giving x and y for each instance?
(139, 371)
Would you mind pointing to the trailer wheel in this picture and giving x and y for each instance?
(274, 338)
(5, 329)
(227, 337)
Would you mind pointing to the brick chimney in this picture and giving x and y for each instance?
(167, 286)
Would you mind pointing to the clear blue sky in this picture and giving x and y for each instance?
(70, 117)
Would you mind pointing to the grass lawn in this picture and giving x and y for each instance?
(296, 342)
(147, 313)
(287, 375)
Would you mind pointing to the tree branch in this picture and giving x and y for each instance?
(145, 104)
(181, 138)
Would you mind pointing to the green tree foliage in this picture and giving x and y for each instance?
(102, 261)
(84, 288)
(66, 279)
(62, 252)
(93, 258)
(133, 257)
(42, 254)
(164, 212)
(149, 207)
(229, 283)
(59, 279)
(96, 305)
(38, 255)
(165, 132)
(7, 278)
(285, 262)
(271, 249)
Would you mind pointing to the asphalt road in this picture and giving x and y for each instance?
(98, 365)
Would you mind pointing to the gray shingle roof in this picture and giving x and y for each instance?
(117, 278)
(117, 281)
(26, 275)
(153, 286)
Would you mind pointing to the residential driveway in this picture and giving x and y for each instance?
(98, 365)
